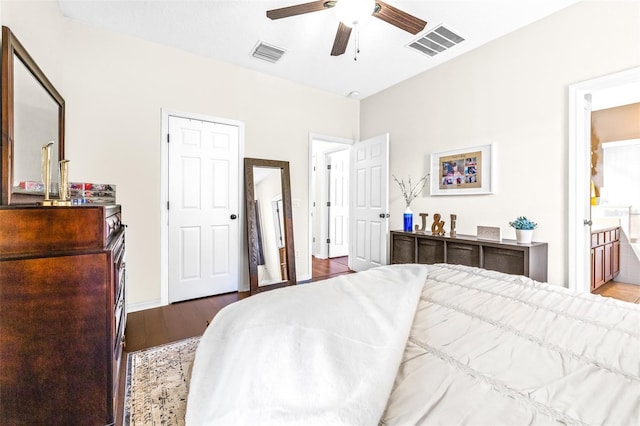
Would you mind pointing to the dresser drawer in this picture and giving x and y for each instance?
(36, 230)
(504, 260)
(463, 254)
(430, 251)
(403, 249)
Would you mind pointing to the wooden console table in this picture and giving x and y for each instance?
(504, 256)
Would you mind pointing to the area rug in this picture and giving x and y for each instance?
(156, 387)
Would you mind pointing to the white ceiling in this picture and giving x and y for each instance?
(229, 30)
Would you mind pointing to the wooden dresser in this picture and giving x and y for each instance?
(62, 314)
(504, 256)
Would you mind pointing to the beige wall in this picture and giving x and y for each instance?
(115, 86)
(511, 92)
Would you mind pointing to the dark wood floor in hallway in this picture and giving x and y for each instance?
(321, 269)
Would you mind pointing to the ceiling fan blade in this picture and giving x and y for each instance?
(299, 9)
(341, 40)
(398, 18)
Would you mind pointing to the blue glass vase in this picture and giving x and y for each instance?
(408, 220)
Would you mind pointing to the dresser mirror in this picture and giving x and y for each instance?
(269, 224)
(32, 116)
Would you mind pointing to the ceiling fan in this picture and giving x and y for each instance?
(350, 13)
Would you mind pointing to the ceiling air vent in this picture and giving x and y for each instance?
(267, 52)
(436, 41)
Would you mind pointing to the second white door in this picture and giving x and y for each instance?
(369, 223)
(203, 208)
(338, 203)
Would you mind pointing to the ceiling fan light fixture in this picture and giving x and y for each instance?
(354, 12)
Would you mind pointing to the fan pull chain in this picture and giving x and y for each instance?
(357, 37)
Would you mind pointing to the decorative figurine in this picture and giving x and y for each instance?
(453, 225)
(438, 225)
(424, 223)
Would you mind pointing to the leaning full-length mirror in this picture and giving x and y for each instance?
(269, 224)
(32, 116)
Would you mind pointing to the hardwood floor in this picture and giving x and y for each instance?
(173, 322)
(321, 269)
(621, 291)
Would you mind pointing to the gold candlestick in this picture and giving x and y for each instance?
(64, 200)
(46, 172)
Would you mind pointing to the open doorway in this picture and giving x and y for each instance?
(605, 92)
(329, 206)
(615, 201)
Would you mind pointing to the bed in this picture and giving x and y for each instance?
(419, 344)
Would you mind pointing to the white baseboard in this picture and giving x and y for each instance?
(141, 306)
(303, 279)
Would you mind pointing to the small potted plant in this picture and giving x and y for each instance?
(524, 229)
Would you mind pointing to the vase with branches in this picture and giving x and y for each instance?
(410, 192)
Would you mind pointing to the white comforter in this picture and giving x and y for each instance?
(493, 349)
(484, 348)
(324, 353)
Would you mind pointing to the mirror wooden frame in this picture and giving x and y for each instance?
(13, 50)
(253, 225)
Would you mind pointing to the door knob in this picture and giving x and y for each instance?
(384, 215)
(233, 216)
(587, 222)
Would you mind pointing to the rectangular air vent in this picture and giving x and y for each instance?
(436, 41)
(267, 52)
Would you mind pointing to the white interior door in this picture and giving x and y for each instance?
(369, 223)
(203, 208)
(338, 203)
(585, 191)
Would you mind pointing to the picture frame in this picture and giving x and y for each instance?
(466, 171)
